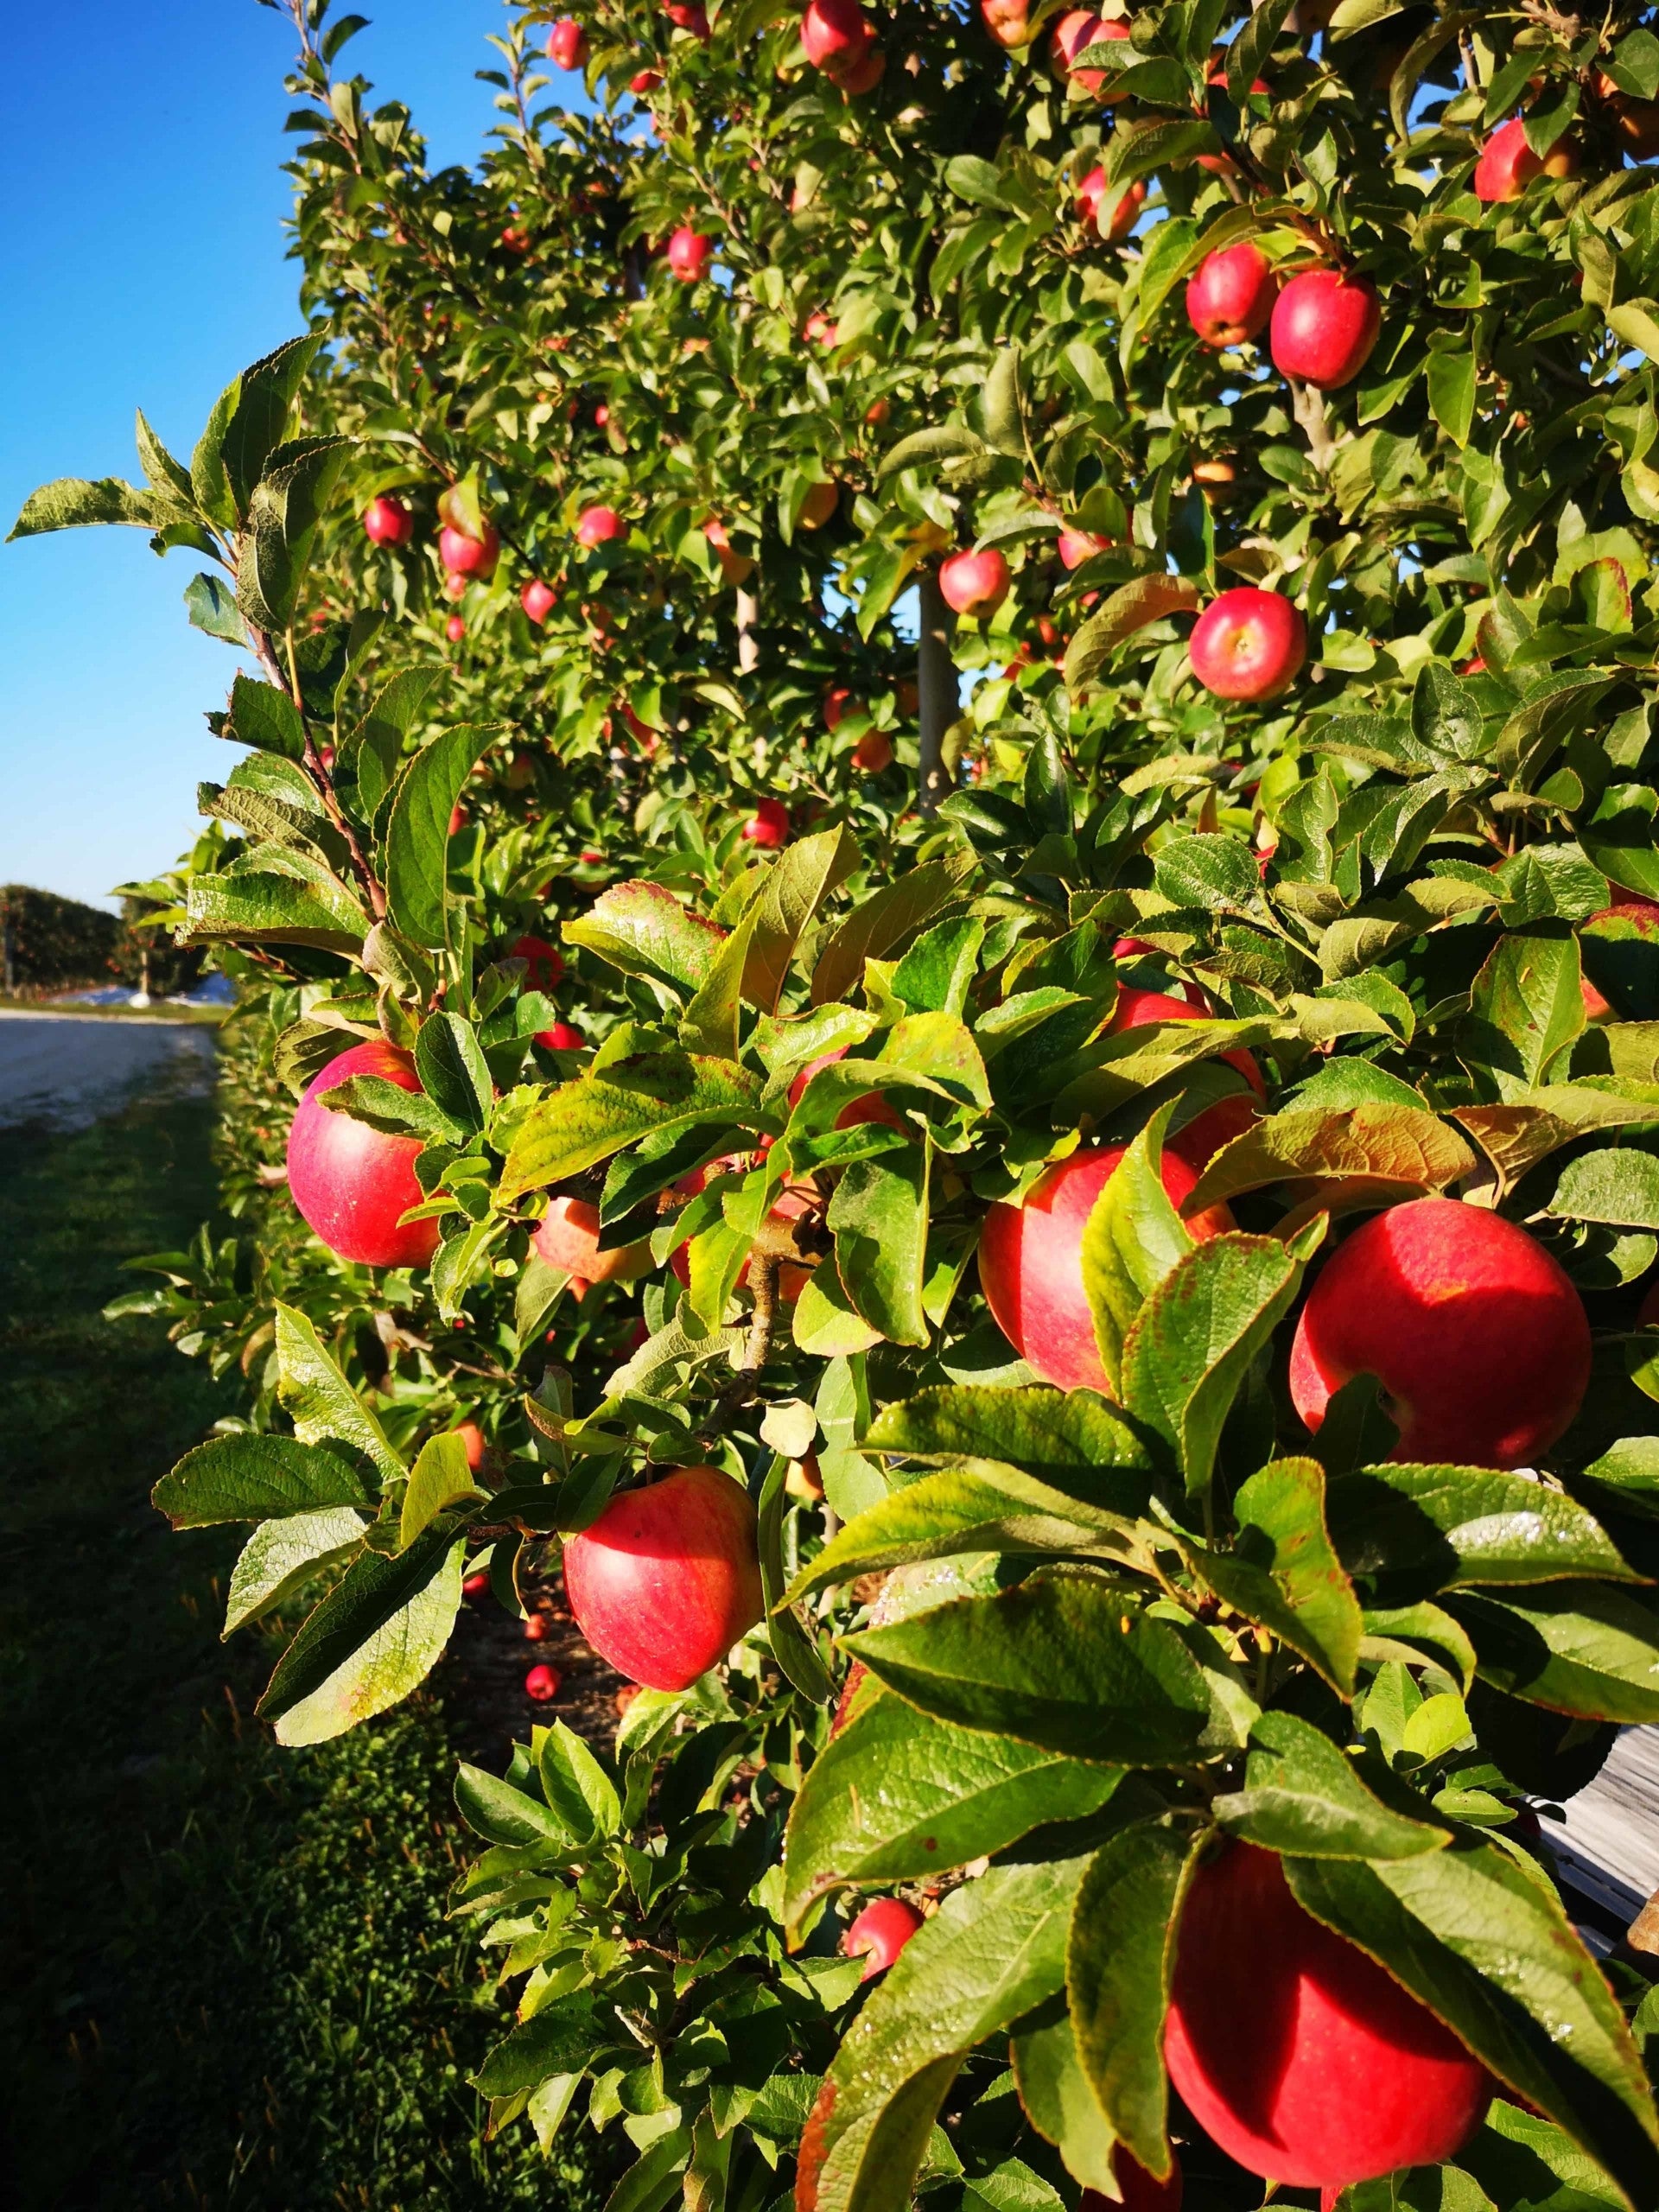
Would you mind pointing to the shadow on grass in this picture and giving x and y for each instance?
(227, 1979)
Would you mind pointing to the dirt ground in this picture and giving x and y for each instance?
(482, 1682)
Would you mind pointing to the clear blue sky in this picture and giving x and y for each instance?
(143, 265)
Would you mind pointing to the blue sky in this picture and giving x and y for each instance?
(140, 148)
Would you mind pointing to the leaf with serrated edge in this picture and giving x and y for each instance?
(440, 1478)
(1284, 1571)
(1302, 1794)
(794, 888)
(246, 1477)
(1391, 1144)
(320, 1403)
(642, 929)
(1131, 1241)
(417, 828)
(1057, 2099)
(1463, 1525)
(1588, 1647)
(1072, 1440)
(281, 1556)
(379, 1633)
(578, 1124)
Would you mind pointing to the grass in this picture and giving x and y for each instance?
(228, 1979)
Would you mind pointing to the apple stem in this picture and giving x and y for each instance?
(1308, 407)
(936, 687)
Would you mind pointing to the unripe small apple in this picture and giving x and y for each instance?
(879, 1933)
(1230, 296)
(566, 44)
(543, 963)
(352, 1182)
(1248, 645)
(767, 827)
(537, 1628)
(1325, 326)
(688, 254)
(818, 329)
(464, 556)
(819, 505)
(1295, 2051)
(974, 584)
(668, 1578)
(541, 1683)
(561, 1038)
(600, 526)
(863, 75)
(536, 600)
(566, 1237)
(455, 629)
(1077, 546)
(387, 521)
(873, 752)
(834, 32)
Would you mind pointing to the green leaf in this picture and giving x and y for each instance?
(577, 1786)
(1131, 1241)
(712, 1021)
(640, 1094)
(283, 514)
(376, 1635)
(899, 1796)
(643, 929)
(976, 180)
(496, 1810)
(881, 925)
(320, 1403)
(1588, 1647)
(265, 396)
(1302, 1794)
(281, 1556)
(794, 887)
(1058, 2099)
(288, 901)
(1073, 1441)
(1284, 1572)
(1531, 1124)
(1525, 1010)
(946, 1514)
(388, 1107)
(793, 1645)
(246, 1477)
(439, 1480)
(949, 442)
(1119, 1963)
(1132, 607)
(454, 1072)
(417, 828)
(879, 1216)
(211, 605)
(1446, 1527)
(1451, 394)
(995, 1949)
(1190, 1347)
(1061, 1663)
(1398, 1146)
(1613, 1186)
(73, 503)
(266, 718)
(562, 2038)
(1489, 1949)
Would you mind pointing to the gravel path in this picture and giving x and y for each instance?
(67, 1071)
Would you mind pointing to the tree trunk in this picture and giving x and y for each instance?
(936, 687)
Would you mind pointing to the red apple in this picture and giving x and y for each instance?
(1477, 1337)
(566, 1237)
(1077, 546)
(873, 752)
(473, 1443)
(879, 1933)
(476, 1586)
(543, 963)
(464, 556)
(1231, 293)
(1008, 22)
(1295, 2051)
(668, 1578)
(1136, 1009)
(351, 1182)
(537, 1628)
(1140, 2193)
(566, 44)
(1323, 327)
(834, 32)
(541, 1683)
(688, 253)
(974, 584)
(536, 601)
(768, 826)
(1091, 192)
(1508, 164)
(819, 505)
(837, 704)
(736, 567)
(1031, 1263)
(455, 588)
(818, 329)
(561, 1038)
(863, 75)
(515, 238)
(872, 1106)
(599, 526)
(387, 521)
(1248, 645)
(689, 16)
(1072, 34)
(1635, 918)
(644, 82)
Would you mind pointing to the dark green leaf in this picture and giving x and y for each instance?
(1303, 1794)
(246, 1477)
(417, 830)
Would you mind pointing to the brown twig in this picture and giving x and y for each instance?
(1307, 405)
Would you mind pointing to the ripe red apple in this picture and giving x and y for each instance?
(863, 75)
(1323, 327)
(541, 1683)
(1008, 22)
(668, 1578)
(1508, 164)
(975, 584)
(1136, 1009)
(566, 1237)
(1477, 1336)
(1140, 2193)
(599, 526)
(1077, 546)
(543, 963)
(351, 1182)
(1091, 192)
(768, 826)
(561, 1038)
(834, 32)
(537, 1628)
(1031, 1263)
(455, 588)
(645, 82)
(736, 567)
(688, 253)
(473, 1443)
(465, 555)
(515, 238)
(1072, 34)
(1231, 293)
(819, 505)
(476, 1586)
(1248, 645)
(879, 1933)
(1636, 918)
(837, 704)
(872, 1106)
(387, 521)
(873, 752)
(818, 329)
(567, 44)
(1296, 2053)
(536, 601)
(689, 16)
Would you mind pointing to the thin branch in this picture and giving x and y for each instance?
(1307, 404)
